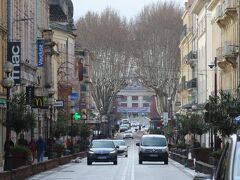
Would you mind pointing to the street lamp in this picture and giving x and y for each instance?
(51, 104)
(18, 20)
(7, 83)
(215, 93)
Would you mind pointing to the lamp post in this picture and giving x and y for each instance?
(215, 94)
(51, 104)
(18, 20)
(7, 83)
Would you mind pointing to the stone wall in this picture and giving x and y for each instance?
(23, 172)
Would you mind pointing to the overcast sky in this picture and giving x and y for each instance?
(127, 8)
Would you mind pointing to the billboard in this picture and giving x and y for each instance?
(14, 56)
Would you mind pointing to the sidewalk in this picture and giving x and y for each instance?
(191, 173)
(35, 162)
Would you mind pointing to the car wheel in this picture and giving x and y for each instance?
(115, 162)
(166, 161)
(140, 160)
(89, 162)
(126, 155)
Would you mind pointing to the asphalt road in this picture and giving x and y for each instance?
(127, 169)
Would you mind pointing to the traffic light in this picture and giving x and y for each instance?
(76, 116)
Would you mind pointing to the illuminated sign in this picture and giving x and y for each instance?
(40, 102)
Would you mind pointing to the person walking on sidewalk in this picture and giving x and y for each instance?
(40, 146)
(33, 148)
(22, 141)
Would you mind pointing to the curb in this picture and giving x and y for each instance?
(189, 172)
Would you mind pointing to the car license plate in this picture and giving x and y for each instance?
(102, 157)
(153, 155)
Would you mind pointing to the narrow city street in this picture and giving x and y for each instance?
(126, 169)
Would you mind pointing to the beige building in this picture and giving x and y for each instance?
(3, 56)
(187, 93)
(211, 31)
(225, 42)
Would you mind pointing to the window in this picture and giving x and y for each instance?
(146, 98)
(145, 105)
(124, 98)
(134, 98)
(124, 104)
(85, 71)
(83, 87)
(134, 104)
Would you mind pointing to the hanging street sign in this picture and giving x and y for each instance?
(59, 104)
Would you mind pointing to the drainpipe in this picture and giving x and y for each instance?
(10, 19)
(238, 42)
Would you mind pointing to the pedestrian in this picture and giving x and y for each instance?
(40, 146)
(33, 148)
(22, 141)
(8, 145)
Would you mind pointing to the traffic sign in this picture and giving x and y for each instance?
(74, 96)
(58, 104)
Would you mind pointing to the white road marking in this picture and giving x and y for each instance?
(125, 170)
(133, 162)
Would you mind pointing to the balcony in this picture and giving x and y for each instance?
(226, 12)
(191, 58)
(227, 55)
(192, 84)
(230, 8)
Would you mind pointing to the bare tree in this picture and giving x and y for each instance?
(106, 35)
(156, 52)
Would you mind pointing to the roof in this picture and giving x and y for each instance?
(154, 135)
(102, 140)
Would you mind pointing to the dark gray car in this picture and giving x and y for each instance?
(102, 150)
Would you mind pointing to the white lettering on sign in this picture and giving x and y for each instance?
(16, 55)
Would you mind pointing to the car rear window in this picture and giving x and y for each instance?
(102, 144)
(153, 141)
(236, 170)
(119, 143)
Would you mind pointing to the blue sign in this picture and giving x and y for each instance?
(74, 96)
(40, 52)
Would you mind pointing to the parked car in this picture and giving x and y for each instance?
(153, 147)
(128, 134)
(229, 164)
(102, 150)
(122, 147)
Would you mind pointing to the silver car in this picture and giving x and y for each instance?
(229, 164)
(122, 147)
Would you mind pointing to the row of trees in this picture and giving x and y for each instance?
(145, 47)
(22, 118)
(220, 115)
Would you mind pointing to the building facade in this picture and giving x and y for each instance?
(135, 100)
(3, 56)
(215, 41)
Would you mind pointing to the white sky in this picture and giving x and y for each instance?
(127, 8)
